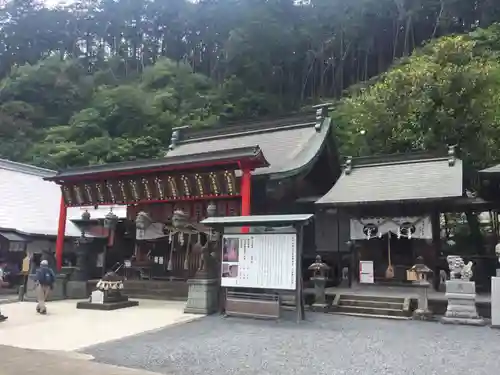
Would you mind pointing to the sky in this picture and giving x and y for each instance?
(51, 3)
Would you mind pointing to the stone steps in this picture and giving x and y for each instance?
(372, 304)
(157, 294)
(363, 315)
(368, 297)
(376, 306)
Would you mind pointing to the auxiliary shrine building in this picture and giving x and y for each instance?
(267, 167)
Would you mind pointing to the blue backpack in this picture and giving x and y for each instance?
(45, 276)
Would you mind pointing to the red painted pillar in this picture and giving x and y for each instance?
(246, 190)
(246, 184)
(61, 230)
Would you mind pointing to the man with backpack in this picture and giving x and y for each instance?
(45, 279)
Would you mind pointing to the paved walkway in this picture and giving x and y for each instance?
(68, 329)
(8, 298)
(15, 361)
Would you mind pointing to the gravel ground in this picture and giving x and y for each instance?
(324, 344)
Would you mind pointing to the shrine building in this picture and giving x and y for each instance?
(386, 211)
(275, 166)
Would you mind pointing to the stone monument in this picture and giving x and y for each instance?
(461, 294)
(108, 295)
(319, 278)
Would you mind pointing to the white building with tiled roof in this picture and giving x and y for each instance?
(29, 208)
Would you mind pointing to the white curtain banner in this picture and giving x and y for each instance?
(405, 226)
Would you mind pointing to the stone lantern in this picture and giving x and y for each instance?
(142, 221)
(86, 216)
(76, 287)
(319, 278)
(211, 209)
(82, 249)
(179, 219)
(422, 273)
(110, 221)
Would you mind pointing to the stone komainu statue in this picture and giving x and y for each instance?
(458, 268)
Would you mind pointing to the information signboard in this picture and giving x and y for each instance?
(267, 261)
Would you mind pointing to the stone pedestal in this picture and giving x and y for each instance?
(495, 302)
(319, 293)
(461, 308)
(108, 300)
(30, 292)
(58, 292)
(422, 311)
(203, 296)
(77, 289)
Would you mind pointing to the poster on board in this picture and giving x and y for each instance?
(265, 261)
(366, 274)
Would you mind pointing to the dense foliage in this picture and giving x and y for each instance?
(447, 93)
(106, 80)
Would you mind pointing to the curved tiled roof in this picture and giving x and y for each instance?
(289, 146)
(397, 181)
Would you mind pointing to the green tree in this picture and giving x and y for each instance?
(115, 70)
(447, 93)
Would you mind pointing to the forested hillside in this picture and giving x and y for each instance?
(106, 80)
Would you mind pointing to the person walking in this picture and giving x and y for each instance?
(45, 279)
(3, 318)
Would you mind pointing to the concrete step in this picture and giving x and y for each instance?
(366, 305)
(165, 294)
(169, 287)
(370, 310)
(157, 297)
(156, 291)
(369, 297)
(152, 284)
(361, 315)
(376, 304)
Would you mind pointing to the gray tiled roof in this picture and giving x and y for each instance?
(172, 160)
(30, 205)
(494, 169)
(288, 147)
(397, 181)
(258, 219)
